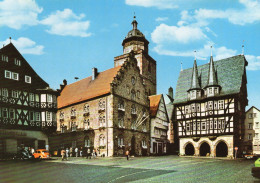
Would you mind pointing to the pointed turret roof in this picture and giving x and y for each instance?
(195, 77)
(212, 78)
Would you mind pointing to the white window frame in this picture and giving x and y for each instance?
(15, 76)
(15, 94)
(28, 79)
(8, 74)
(4, 92)
(17, 62)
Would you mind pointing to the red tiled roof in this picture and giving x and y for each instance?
(87, 88)
(154, 104)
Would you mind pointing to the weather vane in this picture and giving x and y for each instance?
(195, 52)
(10, 39)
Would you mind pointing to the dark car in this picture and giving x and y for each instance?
(256, 170)
(23, 155)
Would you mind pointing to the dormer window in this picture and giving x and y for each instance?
(4, 58)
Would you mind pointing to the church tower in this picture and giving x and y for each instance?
(135, 41)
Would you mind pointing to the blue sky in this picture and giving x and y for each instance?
(63, 39)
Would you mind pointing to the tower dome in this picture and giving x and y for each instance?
(135, 40)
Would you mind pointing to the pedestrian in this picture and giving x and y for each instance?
(127, 154)
(81, 152)
(63, 154)
(32, 150)
(67, 153)
(71, 151)
(89, 154)
(76, 152)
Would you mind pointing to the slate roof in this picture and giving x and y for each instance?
(229, 73)
(154, 104)
(169, 108)
(87, 88)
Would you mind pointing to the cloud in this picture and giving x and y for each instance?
(203, 53)
(66, 23)
(249, 14)
(16, 13)
(184, 34)
(160, 4)
(253, 62)
(160, 19)
(25, 46)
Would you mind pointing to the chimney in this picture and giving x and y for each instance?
(62, 86)
(170, 92)
(94, 73)
(64, 82)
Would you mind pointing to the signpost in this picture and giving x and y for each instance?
(236, 148)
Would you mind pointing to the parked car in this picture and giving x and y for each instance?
(249, 156)
(256, 170)
(23, 155)
(41, 154)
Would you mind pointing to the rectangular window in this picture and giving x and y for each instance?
(188, 127)
(250, 115)
(5, 92)
(257, 124)
(250, 125)
(31, 115)
(17, 62)
(210, 105)
(37, 116)
(221, 104)
(15, 76)
(28, 79)
(5, 113)
(256, 135)
(11, 113)
(31, 97)
(8, 74)
(203, 126)
(211, 124)
(48, 116)
(249, 136)
(215, 124)
(49, 98)
(4, 58)
(15, 94)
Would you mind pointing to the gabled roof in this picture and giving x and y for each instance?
(230, 72)
(87, 88)
(252, 108)
(154, 104)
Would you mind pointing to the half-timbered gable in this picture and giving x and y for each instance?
(26, 101)
(159, 124)
(210, 103)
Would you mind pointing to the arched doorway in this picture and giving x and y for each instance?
(204, 149)
(132, 151)
(189, 149)
(221, 149)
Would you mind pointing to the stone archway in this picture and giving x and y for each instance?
(189, 149)
(221, 149)
(204, 149)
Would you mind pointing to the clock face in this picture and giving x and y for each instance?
(133, 80)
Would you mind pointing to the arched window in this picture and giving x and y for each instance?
(86, 124)
(133, 109)
(86, 108)
(120, 140)
(87, 142)
(102, 141)
(133, 94)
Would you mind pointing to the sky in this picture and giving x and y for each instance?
(64, 39)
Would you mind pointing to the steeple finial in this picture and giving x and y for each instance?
(10, 39)
(181, 67)
(134, 22)
(211, 50)
(195, 54)
(243, 47)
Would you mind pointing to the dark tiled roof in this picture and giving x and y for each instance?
(229, 73)
(169, 108)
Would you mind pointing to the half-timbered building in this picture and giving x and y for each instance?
(27, 104)
(159, 125)
(209, 107)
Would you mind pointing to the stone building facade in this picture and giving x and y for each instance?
(109, 111)
(209, 108)
(27, 105)
(252, 131)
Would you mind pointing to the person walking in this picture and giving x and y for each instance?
(76, 152)
(89, 154)
(127, 154)
(93, 154)
(63, 154)
(81, 152)
(71, 151)
(67, 153)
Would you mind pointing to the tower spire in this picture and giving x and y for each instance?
(212, 78)
(195, 77)
(134, 22)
